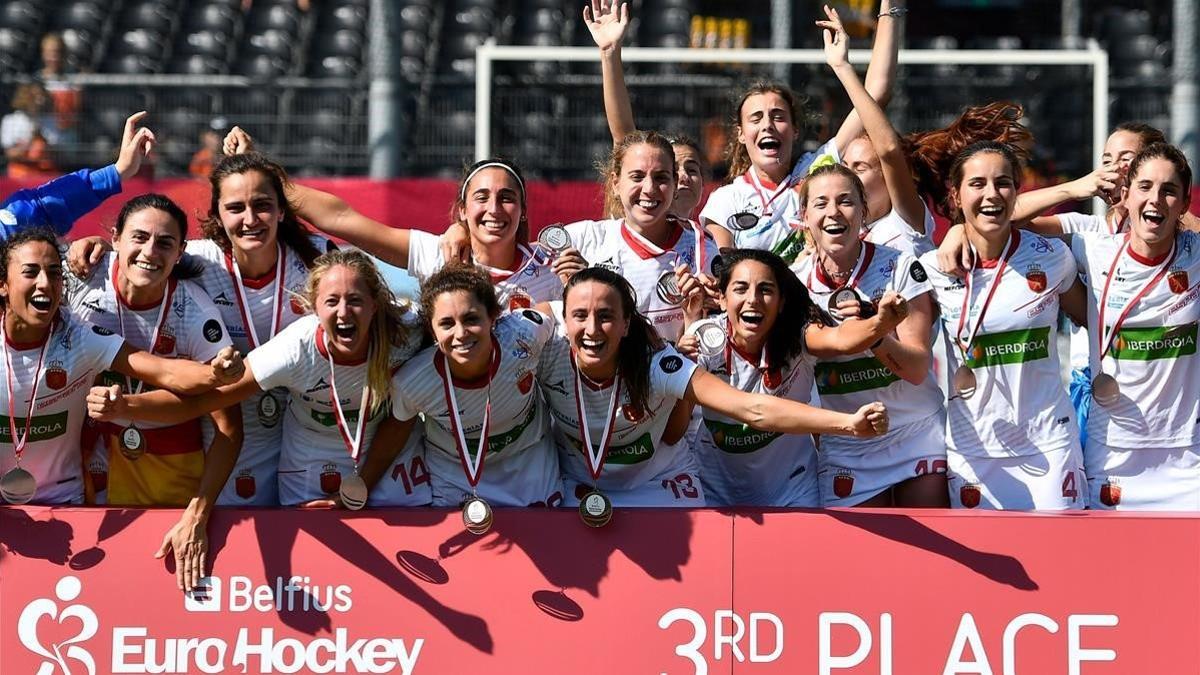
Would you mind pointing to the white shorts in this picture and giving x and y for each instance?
(1053, 480)
(914, 450)
(1143, 479)
(674, 488)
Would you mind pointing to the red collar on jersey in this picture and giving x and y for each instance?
(638, 243)
(259, 282)
(478, 382)
(991, 264)
(1148, 262)
(325, 352)
(168, 291)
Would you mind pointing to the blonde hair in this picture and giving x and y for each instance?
(387, 326)
(610, 168)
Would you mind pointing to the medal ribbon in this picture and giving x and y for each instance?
(655, 250)
(760, 189)
(473, 468)
(1013, 241)
(20, 441)
(1106, 342)
(239, 291)
(595, 459)
(865, 254)
(353, 443)
(161, 322)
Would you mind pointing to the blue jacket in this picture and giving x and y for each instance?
(59, 203)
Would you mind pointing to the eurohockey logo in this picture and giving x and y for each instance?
(59, 655)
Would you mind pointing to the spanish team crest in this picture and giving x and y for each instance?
(525, 383)
(245, 485)
(519, 300)
(843, 483)
(1178, 281)
(969, 495)
(1036, 278)
(1110, 493)
(165, 344)
(331, 479)
(296, 306)
(56, 375)
(772, 378)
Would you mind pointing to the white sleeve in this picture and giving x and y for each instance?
(670, 373)
(211, 336)
(1079, 249)
(1073, 223)
(826, 154)
(403, 407)
(585, 237)
(910, 279)
(540, 326)
(1064, 266)
(273, 363)
(424, 254)
(717, 208)
(103, 344)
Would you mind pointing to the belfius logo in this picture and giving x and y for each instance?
(138, 649)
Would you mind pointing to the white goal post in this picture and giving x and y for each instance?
(488, 54)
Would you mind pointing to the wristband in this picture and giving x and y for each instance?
(894, 12)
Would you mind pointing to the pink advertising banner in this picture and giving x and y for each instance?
(674, 592)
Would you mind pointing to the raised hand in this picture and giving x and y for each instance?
(607, 22)
(237, 142)
(136, 143)
(837, 42)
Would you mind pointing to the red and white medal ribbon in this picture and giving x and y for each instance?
(353, 443)
(19, 442)
(866, 254)
(239, 291)
(1106, 339)
(595, 459)
(159, 323)
(760, 190)
(656, 250)
(965, 347)
(473, 467)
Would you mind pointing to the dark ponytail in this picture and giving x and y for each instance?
(638, 346)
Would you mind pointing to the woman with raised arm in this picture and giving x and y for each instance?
(612, 385)
(752, 345)
(607, 21)
(254, 263)
(336, 364)
(758, 207)
(1012, 439)
(1143, 447)
(58, 354)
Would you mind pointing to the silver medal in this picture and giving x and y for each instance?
(1105, 389)
(742, 221)
(595, 509)
(554, 238)
(353, 492)
(477, 515)
(964, 382)
(17, 486)
(711, 338)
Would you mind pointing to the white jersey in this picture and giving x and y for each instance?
(743, 466)
(529, 282)
(1153, 356)
(779, 228)
(314, 457)
(636, 456)
(1020, 407)
(1076, 223)
(846, 383)
(520, 467)
(189, 327)
(615, 246)
(895, 232)
(76, 353)
(269, 305)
